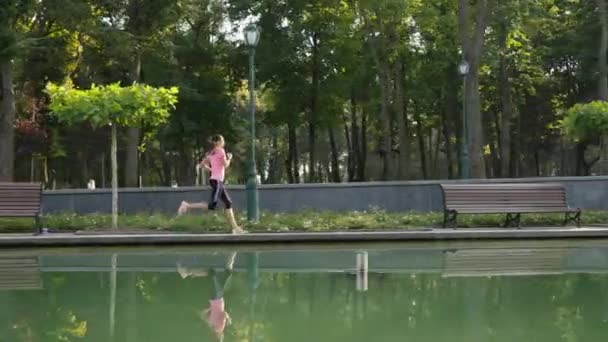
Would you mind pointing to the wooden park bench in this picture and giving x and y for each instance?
(510, 199)
(21, 200)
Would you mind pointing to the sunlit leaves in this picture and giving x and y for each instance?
(112, 104)
(587, 121)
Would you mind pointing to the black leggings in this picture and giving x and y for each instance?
(218, 191)
(220, 282)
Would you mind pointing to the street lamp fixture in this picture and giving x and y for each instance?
(463, 68)
(465, 163)
(252, 38)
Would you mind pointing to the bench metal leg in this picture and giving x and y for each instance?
(512, 221)
(39, 224)
(450, 218)
(574, 217)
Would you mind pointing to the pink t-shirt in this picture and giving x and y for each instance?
(217, 158)
(217, 315)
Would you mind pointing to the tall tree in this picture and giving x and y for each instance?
(603, 52)
(116, 107)
(140, 24)
(12, 12)
(603, 77)
(472, 22)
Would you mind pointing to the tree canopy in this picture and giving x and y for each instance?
(135, 105)
(349, 90)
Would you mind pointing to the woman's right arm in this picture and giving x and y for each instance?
(205, 163)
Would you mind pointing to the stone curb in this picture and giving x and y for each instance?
(147, 239)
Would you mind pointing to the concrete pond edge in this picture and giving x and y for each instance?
(431, 234)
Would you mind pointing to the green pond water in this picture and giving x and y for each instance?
(532, 291)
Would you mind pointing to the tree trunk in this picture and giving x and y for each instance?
(103, 170)
(537, 163)
(603, 79)
(472, 47)
(349, 147)
(385, 117)
(311, 155)
(133, 135)
(490, 121)
(507, 109)
(114, 151)
(32, 169)
(314, 102)
(363, 156)
(294, 165)
(475, 128)
(132, 156)
(516, 138)
(435, 171)
(325, 170)
(186, 171)
(274, 172)
(387, 169)
(289, 167)
(421, 145)
(603, 51)
(400, 113)
(449, 155)
(580, 159)
(84, 166)
(355, 140)
(335, 166)
(583, 167)
(495, 129)
(7, 123)
(165, 175)
(450, 115)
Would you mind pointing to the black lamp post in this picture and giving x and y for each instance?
(252, 38)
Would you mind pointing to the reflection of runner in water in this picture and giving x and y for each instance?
(215, 315)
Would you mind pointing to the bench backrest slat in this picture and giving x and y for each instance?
(20, 199)
(504, 197)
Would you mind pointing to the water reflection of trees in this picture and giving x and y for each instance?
(311, 307)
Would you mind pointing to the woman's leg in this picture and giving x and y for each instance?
(221, 280)
(215, 195)
(236, 229)
(185, 206)
(216, 189)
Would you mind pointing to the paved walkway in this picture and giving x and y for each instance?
(122, 239)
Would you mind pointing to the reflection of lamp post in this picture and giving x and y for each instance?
(252, 37)
(465, 163)
(253, 283)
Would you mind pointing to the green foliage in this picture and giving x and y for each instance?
(318, 63)
(587, 121)
(112, 104)
(306, 220)
(11, 12)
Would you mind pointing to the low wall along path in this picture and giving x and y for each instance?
(587, 193)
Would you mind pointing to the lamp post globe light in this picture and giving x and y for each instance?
(465, 164)
(252, 38)
(463, 68)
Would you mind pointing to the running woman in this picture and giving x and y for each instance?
(216, 162)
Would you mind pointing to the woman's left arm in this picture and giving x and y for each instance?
(227, 159)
